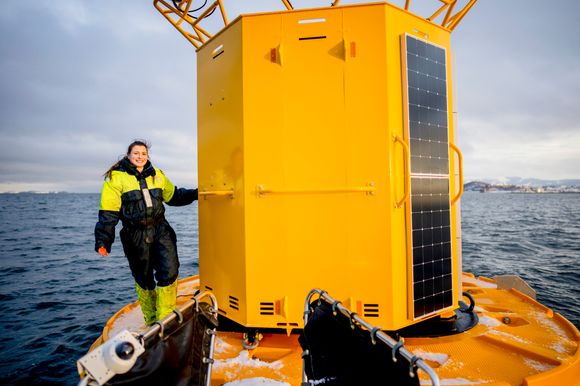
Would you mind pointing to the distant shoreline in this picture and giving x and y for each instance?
(485, 187)
(574, 190)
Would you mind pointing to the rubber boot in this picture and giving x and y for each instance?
(166, 299)
(147, 300)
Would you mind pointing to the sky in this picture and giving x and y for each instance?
(81, 79)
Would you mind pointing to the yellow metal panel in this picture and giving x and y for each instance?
(266, 235)
(220, 161)
(298, 117)
(368, 156)
(307, 133)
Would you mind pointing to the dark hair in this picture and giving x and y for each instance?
(137, 142)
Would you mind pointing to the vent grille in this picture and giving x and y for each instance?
(267, 308)
(371, 310)
(287, 324)
(234, 303)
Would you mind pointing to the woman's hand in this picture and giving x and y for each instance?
(103, 251)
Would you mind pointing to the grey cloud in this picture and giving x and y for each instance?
(81, 79)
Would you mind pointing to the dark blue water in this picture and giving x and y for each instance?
(535, 236)
(56, 293)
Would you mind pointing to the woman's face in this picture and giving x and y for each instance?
(138, 156)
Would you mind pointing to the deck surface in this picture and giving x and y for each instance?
(516, 341)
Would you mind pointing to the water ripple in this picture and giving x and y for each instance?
(59, 292)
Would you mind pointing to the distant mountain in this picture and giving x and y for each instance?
(524, 185)
(532, 182)
(476, 186)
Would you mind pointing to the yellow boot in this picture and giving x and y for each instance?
(147, 300)
(166, 299)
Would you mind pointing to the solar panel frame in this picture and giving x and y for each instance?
(426, 104)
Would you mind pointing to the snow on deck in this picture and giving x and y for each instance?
(258, 381)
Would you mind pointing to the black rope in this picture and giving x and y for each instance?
(212, 11)
(197, 9)
(177, 3)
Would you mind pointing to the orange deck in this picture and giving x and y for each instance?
(517, 342)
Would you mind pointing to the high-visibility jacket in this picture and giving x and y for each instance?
(137, 199)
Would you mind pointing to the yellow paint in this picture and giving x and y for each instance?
(302, 118)
(304, 177)
(177, 13)
(534, 347)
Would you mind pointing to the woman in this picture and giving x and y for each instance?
(134, 192)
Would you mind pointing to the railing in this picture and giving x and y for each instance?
(158, 327)
(375, 335)
(406, 171)
(460, 172)
(180, 14)
(369, 189)
(106, 361)
(216, 193)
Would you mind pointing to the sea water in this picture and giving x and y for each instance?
(56, 293)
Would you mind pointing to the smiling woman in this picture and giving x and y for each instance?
(137, 154)
(134, 192)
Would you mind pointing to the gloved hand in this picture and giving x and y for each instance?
(103, 251)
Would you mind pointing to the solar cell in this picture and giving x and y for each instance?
(429, 147)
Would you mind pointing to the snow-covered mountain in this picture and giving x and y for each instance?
(532, 182)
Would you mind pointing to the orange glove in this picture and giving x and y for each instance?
(103, 251)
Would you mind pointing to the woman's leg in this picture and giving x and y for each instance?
(148, 303)
(137, 252)
(166, 266)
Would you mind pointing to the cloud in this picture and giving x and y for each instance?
(492, 150)
(81, 79)
(75, 93)
(71, 14)
(514, 82)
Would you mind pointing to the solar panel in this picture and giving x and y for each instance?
(429, 148)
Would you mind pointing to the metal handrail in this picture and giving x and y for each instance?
(406, 171)
(369, 189)
(219, 193)
(158, 327)
(376, 334)
(460, 163)
(104, 371)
